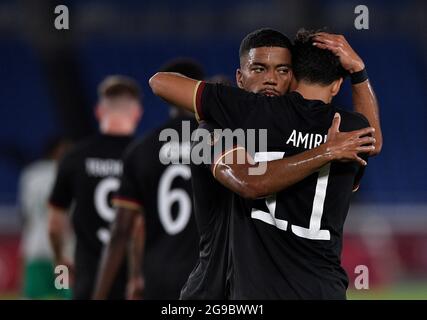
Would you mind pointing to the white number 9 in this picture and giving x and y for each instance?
(103, 189)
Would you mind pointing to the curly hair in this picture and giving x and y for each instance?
(312, 64)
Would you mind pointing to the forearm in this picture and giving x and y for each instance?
(287, 172)
(113, 255)
(56, 230)
(137, 248)
(277, 175)
(281, 174)
(56, 242)
(365, 102)
(111, 261)
(175, 88)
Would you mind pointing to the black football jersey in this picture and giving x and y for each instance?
(213, 206)
(157, 178)
(288, 245)
(87, 178)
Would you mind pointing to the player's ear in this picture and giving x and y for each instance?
(239, 78)
(139, 111)
(98, 112)
(293, 84)
(336, 85)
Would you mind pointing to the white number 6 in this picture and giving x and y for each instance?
(166, 197)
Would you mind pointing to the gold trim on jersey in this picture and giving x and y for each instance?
(195, 101)
(127, 204)
(222, 156)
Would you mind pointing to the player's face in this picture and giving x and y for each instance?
(265, 70)
(128, 109)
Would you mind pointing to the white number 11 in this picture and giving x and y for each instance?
(313, 232)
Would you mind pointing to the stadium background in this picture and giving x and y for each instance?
(48, 87)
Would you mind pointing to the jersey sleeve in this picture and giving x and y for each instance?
(128, 195)
(62, 192)
(228, 106)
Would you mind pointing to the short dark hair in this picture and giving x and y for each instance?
(264, 37)
(222, 79)
(185, 66)
(118, 85)
(313, 64)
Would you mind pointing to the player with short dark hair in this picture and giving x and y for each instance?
(162, 194)
(312, 65)
(265, 62)
(282, 247)
(87, 177)
(264, 37)
(186, 66)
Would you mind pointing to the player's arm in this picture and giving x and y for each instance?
(277, 175)
(59, 202)
(58, 228)
(135, 287)
(129, 209)
(227, 106)
(365, 102)
(114, 254)
(364, 99)
(175, 88)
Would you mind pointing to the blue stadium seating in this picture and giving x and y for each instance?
(399, 78)
(27, 113)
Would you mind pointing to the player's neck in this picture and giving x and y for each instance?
(116, 127)
(314, 92)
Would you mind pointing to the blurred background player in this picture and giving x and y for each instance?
(35, 186)
(221, 78)
(86, 178)
(163, 195)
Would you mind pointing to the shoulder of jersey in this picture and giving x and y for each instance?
(174, 123)
(152, 137)
(352, 120)
(143, 144)
(80, 147)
